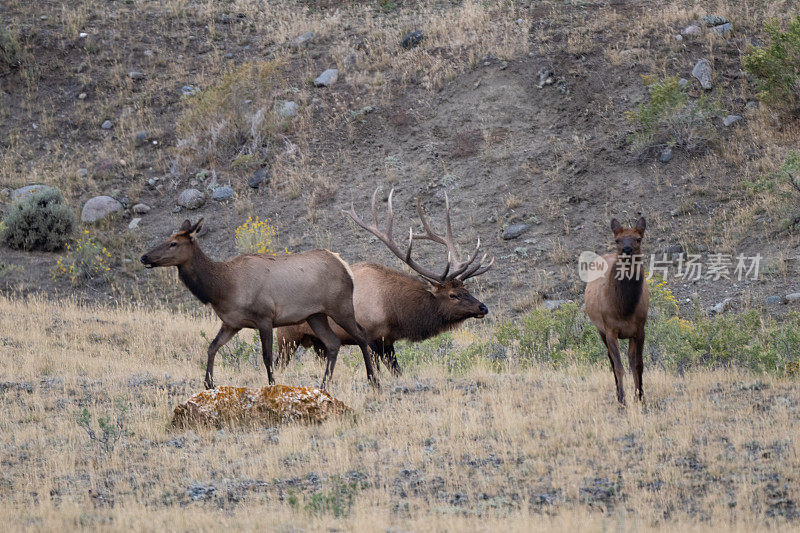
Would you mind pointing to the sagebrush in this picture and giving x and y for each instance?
(776, 67)
(671, 118)
(39, 221)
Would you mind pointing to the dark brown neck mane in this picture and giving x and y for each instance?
(627, 292)
(428, 319)
(201, 276)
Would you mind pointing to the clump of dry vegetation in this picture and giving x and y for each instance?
(230, 121)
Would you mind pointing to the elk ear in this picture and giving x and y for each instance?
(641, 224)
(193, 231)
(616, 227)
(433, 287)
(186, 226)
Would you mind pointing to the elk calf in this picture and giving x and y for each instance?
(262, 292)
(617, 303)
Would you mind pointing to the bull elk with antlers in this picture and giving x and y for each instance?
(617, 303)
(262, 292)
(392, 305)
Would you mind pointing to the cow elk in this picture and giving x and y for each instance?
(392, 305)
(262, 292)
(617, 303)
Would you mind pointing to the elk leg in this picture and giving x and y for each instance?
(319, 348)
(635, 349)
(319, 324)
(375, 348)
(357, 332)
(265, 331)
(225, 334)
(377, 351)
(616, 364)
(390, 359)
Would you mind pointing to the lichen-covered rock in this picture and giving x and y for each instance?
(269, 405)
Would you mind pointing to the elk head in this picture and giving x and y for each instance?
(628, 240)
(457, 300)
(176, 250)
(447, 287)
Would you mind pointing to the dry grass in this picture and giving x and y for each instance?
(179, 43)
(477, 450)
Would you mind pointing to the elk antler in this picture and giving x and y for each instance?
(462, 269)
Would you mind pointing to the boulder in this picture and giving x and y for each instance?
(261, 176)
(714, 20)
(141, 209)
(22, 192)
(412, 40)
(302, 39)
(691, 30)
(515, 230)
(98, 208)
(730, 120)
(269, 405)
(723, 28)
(286, 108)
(702, 71)
(327, 78)
(721, 307)
(191, 199)
(222, 194)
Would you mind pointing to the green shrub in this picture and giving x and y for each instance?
(40, 221)
(776, 67)
(671, 118)
(10, 50)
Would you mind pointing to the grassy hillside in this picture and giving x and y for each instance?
(551, 114)
(444, 447)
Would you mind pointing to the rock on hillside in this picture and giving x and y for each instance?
(269, 405)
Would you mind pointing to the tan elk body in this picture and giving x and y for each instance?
(392, 305)
(262, 292)
(618, 301)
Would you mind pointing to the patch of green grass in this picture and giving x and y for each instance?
(337, 500)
